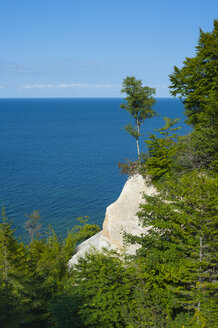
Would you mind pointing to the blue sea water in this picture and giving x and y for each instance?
(59, 156)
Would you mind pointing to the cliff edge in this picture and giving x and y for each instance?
(120, 216)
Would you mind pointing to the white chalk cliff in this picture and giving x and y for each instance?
(120, 216)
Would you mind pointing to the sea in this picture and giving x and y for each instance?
(60, 157)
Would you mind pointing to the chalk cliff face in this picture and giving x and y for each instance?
(120, 216)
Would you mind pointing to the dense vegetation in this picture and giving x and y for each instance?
(172, 280)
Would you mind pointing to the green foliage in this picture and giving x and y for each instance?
(196, 151)
(47, 270)
(8, 305)
(102, 283)
(179, 251)
(77, 235)
(64, 307)
(139, 102)
(32, 275)
(196, 81)
(147, 307)
(161, 151)
(12, 258)
(12, 253)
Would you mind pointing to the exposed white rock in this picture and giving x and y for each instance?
(120, 216)
(98, 242)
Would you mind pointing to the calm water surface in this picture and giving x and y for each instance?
(60, 156)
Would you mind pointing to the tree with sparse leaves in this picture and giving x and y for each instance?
(138, 103)
(33, 225)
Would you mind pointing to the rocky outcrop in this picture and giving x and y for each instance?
(120, 216)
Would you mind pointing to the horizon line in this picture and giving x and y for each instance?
(79, 98)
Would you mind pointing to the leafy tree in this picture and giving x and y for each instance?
(65, 306)
(32, 275)
(8, 248)
(139, 102)
(47, 269)
(12, 259)
(8, 305)
(196, 81)
(12, 252)
(102, 283)
(179, 250)
(161, 150)
(196, 84)
(78, 234)
(196, 150)
(147, 306)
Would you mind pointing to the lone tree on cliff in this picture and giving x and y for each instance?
(138, 103)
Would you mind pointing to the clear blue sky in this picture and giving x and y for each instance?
(84, 48)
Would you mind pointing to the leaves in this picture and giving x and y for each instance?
(196, 81)
(138, 103)
(179, 251)
(161, 151)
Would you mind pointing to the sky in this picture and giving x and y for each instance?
(85, 48)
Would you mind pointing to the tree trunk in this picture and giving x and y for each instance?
(137, 140)
(137, 143)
